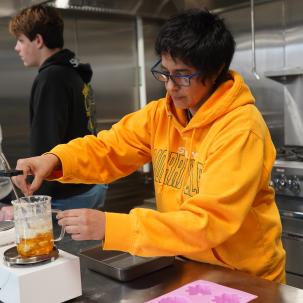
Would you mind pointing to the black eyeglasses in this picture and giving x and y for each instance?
(180, 80)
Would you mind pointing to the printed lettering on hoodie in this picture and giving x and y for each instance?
(177, 170)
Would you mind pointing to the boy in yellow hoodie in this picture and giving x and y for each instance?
(212, 156)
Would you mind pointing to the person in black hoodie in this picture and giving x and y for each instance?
(60, 102)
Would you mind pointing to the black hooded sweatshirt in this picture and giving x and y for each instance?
(57, 112)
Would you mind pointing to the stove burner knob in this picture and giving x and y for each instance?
(281, 183)
(294, 185)
(276, 183)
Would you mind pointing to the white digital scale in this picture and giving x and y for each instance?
(53, 280)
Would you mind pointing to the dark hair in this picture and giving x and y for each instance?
(199, 39)
(39, 19)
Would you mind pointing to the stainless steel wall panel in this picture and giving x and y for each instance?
(15, 84)
(70, 34)
(269, 36)
(293, 33)
(154, 88)
(160, 8)
(293, 106)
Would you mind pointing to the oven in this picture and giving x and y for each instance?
(292, 237)
(287, 179)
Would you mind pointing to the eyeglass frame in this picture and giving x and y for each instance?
(172, 77)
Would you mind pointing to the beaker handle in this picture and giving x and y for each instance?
(62, 228)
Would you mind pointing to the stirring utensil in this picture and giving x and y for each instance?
(8, 172)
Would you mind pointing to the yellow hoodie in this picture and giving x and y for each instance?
(211, 177)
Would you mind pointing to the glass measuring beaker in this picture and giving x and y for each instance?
(34, 226)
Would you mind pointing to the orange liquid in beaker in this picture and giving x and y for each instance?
(42, 244)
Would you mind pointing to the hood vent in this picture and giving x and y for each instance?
(159, 9)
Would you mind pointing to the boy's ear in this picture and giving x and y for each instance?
(39, 41)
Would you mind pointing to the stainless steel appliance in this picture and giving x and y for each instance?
(287, 179)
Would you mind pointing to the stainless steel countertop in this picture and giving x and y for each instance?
(99, 288)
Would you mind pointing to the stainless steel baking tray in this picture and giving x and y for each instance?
(120, 265)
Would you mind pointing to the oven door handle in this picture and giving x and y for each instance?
(292, 236)
(291, 214)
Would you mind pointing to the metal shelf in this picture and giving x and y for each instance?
(287, 72)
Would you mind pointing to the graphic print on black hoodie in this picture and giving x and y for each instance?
(57, 112)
